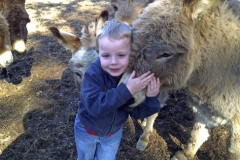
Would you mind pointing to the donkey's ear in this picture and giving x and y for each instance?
(67, 40)
(103, 17)
(195, 9)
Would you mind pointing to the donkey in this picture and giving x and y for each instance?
(194, 45)
(13, 16)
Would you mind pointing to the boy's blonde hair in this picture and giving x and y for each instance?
(114, 30)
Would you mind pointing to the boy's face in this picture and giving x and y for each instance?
(114, 55)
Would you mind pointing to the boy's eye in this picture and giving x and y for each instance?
(121, 55)
(105, 55)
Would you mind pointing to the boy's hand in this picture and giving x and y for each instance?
(135, 85)
(153, 87)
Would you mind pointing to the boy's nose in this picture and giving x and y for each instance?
(113, 60)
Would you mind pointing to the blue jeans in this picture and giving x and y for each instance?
(91, 147)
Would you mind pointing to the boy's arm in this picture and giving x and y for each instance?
(97, 100)
(150, 106)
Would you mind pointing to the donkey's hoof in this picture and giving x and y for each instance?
(174, 158)
(141, 145)
(179, 156)
(7, 79)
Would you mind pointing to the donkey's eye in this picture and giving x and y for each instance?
(163, 55)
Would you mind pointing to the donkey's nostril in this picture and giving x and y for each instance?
(8, 62)
(79, 75)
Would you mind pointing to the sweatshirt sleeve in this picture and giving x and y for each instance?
(98, 100)
(150, 106)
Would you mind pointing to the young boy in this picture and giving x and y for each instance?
(101, 114)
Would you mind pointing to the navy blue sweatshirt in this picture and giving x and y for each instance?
(101, 108)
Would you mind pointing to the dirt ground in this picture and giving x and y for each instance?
(38, 106)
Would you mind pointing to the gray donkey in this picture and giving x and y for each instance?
(194, 45)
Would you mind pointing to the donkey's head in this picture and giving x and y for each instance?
(128, 10)
(175, 38)
(83, 48)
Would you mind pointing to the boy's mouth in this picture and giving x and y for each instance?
(114, 69)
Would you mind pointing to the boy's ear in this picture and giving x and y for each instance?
(97, 50)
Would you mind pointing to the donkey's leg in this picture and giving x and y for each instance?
(3, 73)
(148, 123)
(148, 129)
(199, 135)
(234, 147)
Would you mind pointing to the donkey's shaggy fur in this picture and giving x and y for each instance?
(194, 45)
